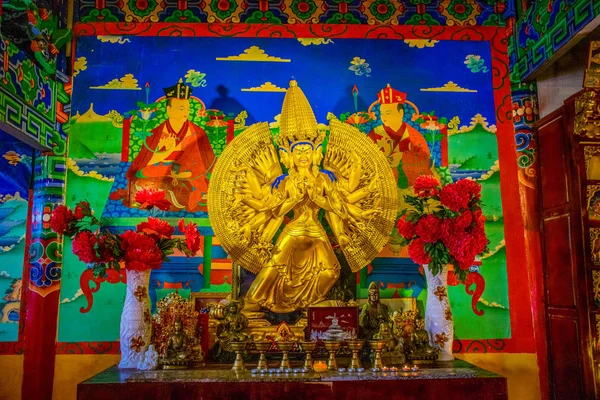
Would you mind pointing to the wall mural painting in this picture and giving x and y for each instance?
(15, 177)
(150, 121)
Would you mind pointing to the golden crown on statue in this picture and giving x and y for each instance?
(298, 124)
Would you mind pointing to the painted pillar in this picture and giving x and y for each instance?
(43, 269)
(43, 274)
(525, 113)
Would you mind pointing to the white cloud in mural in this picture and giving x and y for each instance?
(449, 87)
(265, 87)
(420, 43)
(79, 65)
(113, 39)
(127, 82)
(4, 274)
(254, 53)
(78, 294)
(314, 41)
(360, 66)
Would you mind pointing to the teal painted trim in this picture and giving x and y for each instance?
(207, 260)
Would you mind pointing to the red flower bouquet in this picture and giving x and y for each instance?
(445, 224)
(144, 248)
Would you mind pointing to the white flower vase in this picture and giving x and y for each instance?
(136, 324)
(438, 315)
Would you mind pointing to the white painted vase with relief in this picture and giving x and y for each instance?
(438, 315)
(136, 324)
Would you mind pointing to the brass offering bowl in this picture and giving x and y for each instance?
(355, 346)
(308, 348)
(262, 346)
(377, 346)
(332, 347)
(285, 347)
(238, 348)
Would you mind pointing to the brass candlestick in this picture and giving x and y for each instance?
(238, 348)
(308, 348)
(332, 347)
(262, 346)
(285, 347)
(377, 346)
(355, 346)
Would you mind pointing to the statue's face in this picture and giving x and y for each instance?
(232, 309)
(385, 328)
(179, 109)
(178, 326)
(302, 155)
(374, 295)
(390, 116)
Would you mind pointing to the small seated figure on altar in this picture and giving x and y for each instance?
(178, 352)
(176, 157)
(230, 329)
(419, 347)
(373, 313)
(393, 353)
(150, 360)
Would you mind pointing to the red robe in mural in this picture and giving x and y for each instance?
(415, 152)
(192, 153)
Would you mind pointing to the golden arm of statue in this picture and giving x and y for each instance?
(267, 164)
(358, 195)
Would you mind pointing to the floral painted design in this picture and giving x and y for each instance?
(440, 292)
(137, 343)
(140, 293)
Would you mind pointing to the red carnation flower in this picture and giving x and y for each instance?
(84, 247)
(157, 228)
(452, 197)
(141, 252)
(463, 221)
(192, 237)
(405, 228)
(61, 218)
(429, 228)
(416, 251)
(426, 186)
(470, 187)
(150, 197)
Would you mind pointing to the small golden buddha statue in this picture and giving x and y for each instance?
(393, 352)
(230, 329)
(420, 348)
(373, 313)
(178, 352)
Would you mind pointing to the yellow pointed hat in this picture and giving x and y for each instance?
(297, 121)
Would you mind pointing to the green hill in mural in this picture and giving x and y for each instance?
(474, 147)
(92, 134)
(490, 195)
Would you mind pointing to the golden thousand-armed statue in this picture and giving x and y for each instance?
(249, 197)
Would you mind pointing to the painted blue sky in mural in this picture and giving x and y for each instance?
(322, 71)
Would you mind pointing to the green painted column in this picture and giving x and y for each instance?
(207, 260)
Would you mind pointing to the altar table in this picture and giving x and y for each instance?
(455, 380)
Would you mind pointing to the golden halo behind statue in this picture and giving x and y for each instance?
(227, 186)
(366, 245)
